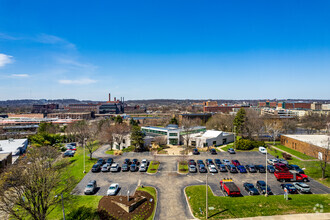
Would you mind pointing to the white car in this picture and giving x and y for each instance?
(112, 190)
(114, 167)
(272, 161)
(212, 169)
(145, 161)
(262, 150)
(143, 167)
(302, 187)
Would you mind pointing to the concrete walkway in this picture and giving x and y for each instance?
(276, 148)
(310, 216)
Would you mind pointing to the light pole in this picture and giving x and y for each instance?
(62, 205)
(206, 212)
(266, 194)
(85, 139)
(235, 137)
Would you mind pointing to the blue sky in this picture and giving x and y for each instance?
(164, 49)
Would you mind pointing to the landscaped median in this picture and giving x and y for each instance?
(153, 166)
(183, 167)
(250, 206)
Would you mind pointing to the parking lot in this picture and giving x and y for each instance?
(170, 184)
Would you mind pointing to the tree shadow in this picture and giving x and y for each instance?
(83, 213)
(217, 213)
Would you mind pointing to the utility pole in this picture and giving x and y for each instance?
(63, 206)
(85, 139)
(266, 194)
(206, 197)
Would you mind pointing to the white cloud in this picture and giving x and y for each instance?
(20, 75)
(5, 59)
(51, 39)
(75, 63)
(84, 81)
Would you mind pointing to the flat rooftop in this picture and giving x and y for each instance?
(12, 145)
(318, 140)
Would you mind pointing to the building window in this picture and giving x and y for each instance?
(173, 134)
(214, 142)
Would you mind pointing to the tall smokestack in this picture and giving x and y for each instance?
(109, 97)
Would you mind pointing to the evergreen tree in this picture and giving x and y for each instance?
(174, 121)
(118, 119)
(239, 121)
(137, 138)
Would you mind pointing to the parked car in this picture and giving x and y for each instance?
(200, 162)
(231, 151)
(262, 150)
(113, 189)
(100, 161)
(192, 168)
(135, 161)
(231, 168)
(229, 187)
(209, 161)
(261, 168)
(213, 151)
(125, 167)
(261, 186)
(191, 162)
(217, 162)
(296, 168)
(212, 168)
(302, 187)
(270, 168)
(145, 161)
(251, 168)
(283, 161)
(68, 153)
(73, 144)
(281, 167)
(272, 161)
(90, 187)
(109, 161)
(195, 151)
(202, 168)
(250, 189)
(114, 167)
(241, 169)
(143, 167)
(96, 168)
(290, 176)
(222, 168)
(133, 167)
(70, 147)
(127, 161)
(226, 162)
(105, 168)
(290, 187)
(235, 163)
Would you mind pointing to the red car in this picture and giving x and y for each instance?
(235, 163)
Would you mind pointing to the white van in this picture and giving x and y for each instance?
(262, 150)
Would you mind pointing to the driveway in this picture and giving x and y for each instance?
(170, 185)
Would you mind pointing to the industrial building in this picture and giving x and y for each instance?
(14, 147)
(311, 145)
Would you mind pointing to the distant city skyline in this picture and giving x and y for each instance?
(164, 50)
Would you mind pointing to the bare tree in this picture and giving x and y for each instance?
(314, 122)
(289, 125)
(222, 122)
(29, 188)
(160, 140)
(187, 129)
(273, 129)
(120, 131)
(253, 124)
(80, 129)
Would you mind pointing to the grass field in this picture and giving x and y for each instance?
(75, 169)
(294, 152)
(183, 167)
(110, 152)
(249, 206)
(312, 168)
(153, 167)
(151, 191)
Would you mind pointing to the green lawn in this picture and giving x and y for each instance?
(77, 203)
(249, 206)
(232, 146)
(312, 168)
(294, 152)
(110, 152)
(183, 167)
(153, 167)
(151, 191)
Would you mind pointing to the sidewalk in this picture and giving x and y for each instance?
(276, 148)
(310, 216)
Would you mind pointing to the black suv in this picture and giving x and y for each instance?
(195, 151)
(249, 187)
(109, 161)
(251, 168)
(100, 161)
(213, 151)
(261, 168)
(125, 167)
(96, 168)
(261, 186)
(232, 168)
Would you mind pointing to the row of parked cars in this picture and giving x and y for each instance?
(225, 165)
(91, 188)
(129, 165)
(213, 151)
(70, 150)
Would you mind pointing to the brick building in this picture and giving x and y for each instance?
(73, 115)
(311, 145)
(223, 109)
(44, 108)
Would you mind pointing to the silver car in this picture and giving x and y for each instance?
(192, 168)
(90, 188)
(212, 169)
(302, 187)
(105, 168)
(143, 167)
(272, 161)
(114, 167)
(112, 190)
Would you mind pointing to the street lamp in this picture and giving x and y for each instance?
(266, 194)
(62, 205)
(235, 137)
(85, 139)
(206, 186)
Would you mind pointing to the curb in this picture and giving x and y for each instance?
(177, 170)
(157, 200)
(185, 195)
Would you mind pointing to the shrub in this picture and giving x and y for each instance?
(246, 144)
(286, 156)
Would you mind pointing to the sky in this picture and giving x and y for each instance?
(183, 49)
